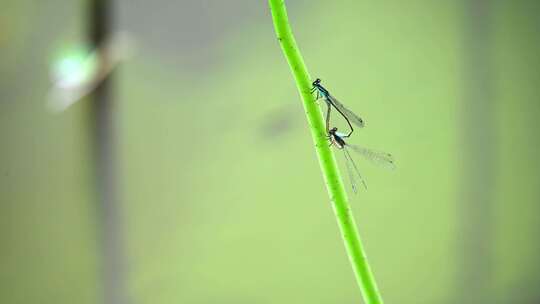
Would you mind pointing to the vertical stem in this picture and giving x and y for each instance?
(109, 217)
(334, 184)
(478, 136)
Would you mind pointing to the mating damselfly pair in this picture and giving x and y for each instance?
(337, 139)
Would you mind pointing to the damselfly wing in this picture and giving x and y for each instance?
(337, 139)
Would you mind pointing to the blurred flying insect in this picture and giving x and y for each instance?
(381, 158)
(331, 101)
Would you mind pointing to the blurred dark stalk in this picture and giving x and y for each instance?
(109, 212)
(479, 154)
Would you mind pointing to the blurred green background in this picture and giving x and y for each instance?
(221, 196)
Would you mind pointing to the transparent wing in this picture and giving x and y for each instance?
(343, 110)
(350, 172)
(349, 161)
(377, 157)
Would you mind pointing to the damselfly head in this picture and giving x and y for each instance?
(317, 82)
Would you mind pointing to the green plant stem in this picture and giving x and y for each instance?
(327, 161)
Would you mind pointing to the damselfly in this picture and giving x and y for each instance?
(331, 101)
(337, 139)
